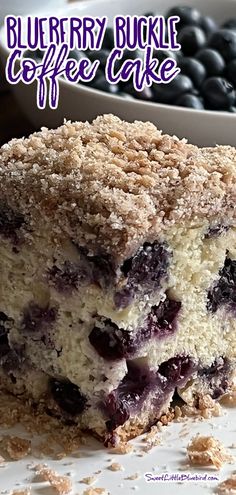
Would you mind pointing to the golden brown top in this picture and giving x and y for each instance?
(111, 185)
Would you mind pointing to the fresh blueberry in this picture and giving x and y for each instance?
(168, 93)
(194, 69)
(231, 72)
(190, 101)
(146, 93)
(68, 397)
(223, 292)
(191, 39)
(224, 41)
(100, 55)
(212, 61)
(208, 25)
(108, 40)
(162, 55)
(10, 223)
(34, 54)
(219, 94)
(103, 85)
(230, 24)
(189, 16)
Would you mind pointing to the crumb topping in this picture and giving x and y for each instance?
(207, 451)
(115, 466)
(113, 184)
(62, 484)
(227, 486)
(16, 447)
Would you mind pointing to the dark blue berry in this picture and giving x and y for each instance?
(191, 39)
(100, 55)
(112, 342)
(223, 291)
(146, 94)
(230, 24)
(224, 41)
(216, 231)
(176, 370)
(103, 85)
(231, 72)
(212, 60)
(217, 376)
(68, 277)
(36, 319)
(68, 397)
(190, 101)
(194, 69)
(208, 25)
(108, 40)
(168, 93)
(219, 94)
(189, 16)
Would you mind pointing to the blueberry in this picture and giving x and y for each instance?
(168, 93)
(212, 61)
(10, 223)
(112, 342)
(108, 40)
(68, 397)
(176, 370)
(146, 94)
(36, 318)
(218, 93)
(162, 55)
(216, 376)
(216, 231)
(129, 396)
(194, 69)
(103, 85)
(231, 72)
(147, 266)
(190, 101)
(224, 41)
(101, 266)
(34, 54)
(77, 55)
(208, 25)
(223, 291)
(189, 16)
(100, 55)
(70, 276)
(230, 24)
(191, 39)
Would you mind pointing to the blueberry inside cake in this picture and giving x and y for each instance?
(118, 273)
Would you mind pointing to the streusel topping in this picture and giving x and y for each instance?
(112, 185)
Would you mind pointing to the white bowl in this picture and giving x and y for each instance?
(205, 128)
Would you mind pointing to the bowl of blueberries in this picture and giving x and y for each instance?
(198, 104)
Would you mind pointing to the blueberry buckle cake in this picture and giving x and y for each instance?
(118, 273)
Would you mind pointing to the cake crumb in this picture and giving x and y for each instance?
(207, 451)
(95, 491)
(229, 399)
(16, 447)
(62, 484)
(132, 477)
(23, 491)
(227, 486)
(122, 448)
(115, 466)
(2, 461)
(89, 480)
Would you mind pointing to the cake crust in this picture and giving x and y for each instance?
(111, 184)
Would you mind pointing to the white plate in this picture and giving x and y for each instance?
(204, 128)
(169, 457)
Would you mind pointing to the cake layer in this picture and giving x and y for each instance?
(110, 303)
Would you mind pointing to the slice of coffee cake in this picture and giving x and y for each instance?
(118, 272)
